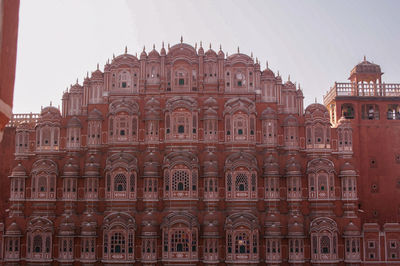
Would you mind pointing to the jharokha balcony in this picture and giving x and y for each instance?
(362, 90)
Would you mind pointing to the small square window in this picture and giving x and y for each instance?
(371, 244)
(393, 244)
(181, 82)
(239, 83)
(123, 84)
(371, 255)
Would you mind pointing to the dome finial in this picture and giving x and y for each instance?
(251, 54)
(77, 81)
(126, 49)
(136, 54)
(195, 45)
(87, 74)
(181, 39)
(144, 48)
(267, 64)
(51, 103)
(220, 47)
(168, 46)
(97, 66)
(162, 44)
(154, 46)
(365, 58)
(278, 72)
(238, 50)
(288, 78)
(201, 44)
(113, 56)
(315, 99)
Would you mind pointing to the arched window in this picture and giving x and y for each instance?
(47, 138)
(241, 176)
(123, 121)
(43, 180)
(324, 240)
(241, 238)
(183, 182)
(180, 175)
(124, 79)
(21, 142)
(269, 132)
(180, 237)
(291, 132)
(273, 252)
(149, 247)
(119, 186)
(244, 184)
(321, 179)
(88, 250)
(39, 239)
(296, 250)
(119, 240)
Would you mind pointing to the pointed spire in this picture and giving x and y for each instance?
(126, 49)
(97, 66)
(181, 39)
(267, 64)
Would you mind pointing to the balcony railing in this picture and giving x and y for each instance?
(371, 90)
(17, 119)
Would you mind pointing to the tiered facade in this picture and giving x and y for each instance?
(186, 157)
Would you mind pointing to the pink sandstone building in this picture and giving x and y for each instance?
(193, 157)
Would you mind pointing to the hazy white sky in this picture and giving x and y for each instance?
(316, 42)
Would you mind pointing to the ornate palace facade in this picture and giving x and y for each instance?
(193, 158)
